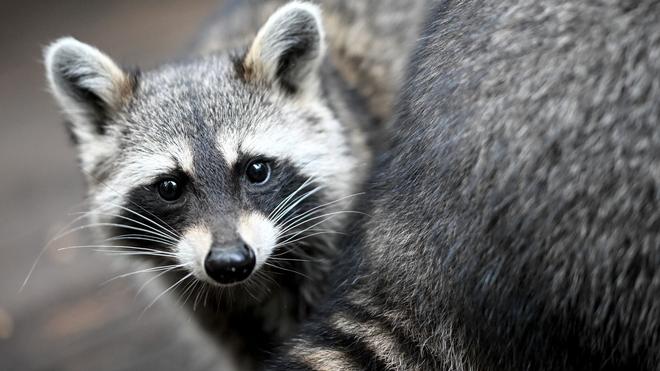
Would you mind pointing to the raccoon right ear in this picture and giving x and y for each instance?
(87, 84)
(288, 49)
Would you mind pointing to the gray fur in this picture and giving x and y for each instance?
(201, 117)
(515, 219)
(368, 41)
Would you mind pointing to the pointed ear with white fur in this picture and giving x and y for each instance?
(88, 86)
(288, 49)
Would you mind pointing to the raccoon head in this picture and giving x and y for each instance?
(219, 165)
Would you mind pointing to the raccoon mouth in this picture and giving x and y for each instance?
(230, 264)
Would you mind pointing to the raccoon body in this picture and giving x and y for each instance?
(369, 41)
(234, 173)
(515, 216)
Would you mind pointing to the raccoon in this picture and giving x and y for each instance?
(234, 173)
(516, 216)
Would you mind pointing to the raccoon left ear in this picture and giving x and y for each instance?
(288, 48)
(87, 84)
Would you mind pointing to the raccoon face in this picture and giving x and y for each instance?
(219, 165)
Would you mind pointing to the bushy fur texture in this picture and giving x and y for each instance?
(369, 41)
(515, 218)
(199, 124)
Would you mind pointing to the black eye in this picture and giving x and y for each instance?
(169, 189)
(258, 172)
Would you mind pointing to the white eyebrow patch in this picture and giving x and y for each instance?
(227, 144)
(145, 168)
(141, 169)
(183, 154)
(135, 171)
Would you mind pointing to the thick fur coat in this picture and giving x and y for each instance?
(515, 220)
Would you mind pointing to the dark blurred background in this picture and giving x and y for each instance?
(65, 319)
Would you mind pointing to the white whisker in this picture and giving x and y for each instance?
(135, 248)
(286, 269)
(166, 227)
(45, 248)
(165, 292)
(156, 230)
(128, 253)
(314, 210)
(126, 226)
(291, 240)
(285, 200)
(328, 215)
(148, 270)
(300, 199)
(137, 237)
(189, 289)
(328, 231)
(144, 285)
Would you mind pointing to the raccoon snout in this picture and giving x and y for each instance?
(230, 263)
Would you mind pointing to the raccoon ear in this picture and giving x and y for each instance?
(288, 48)
(87, 84)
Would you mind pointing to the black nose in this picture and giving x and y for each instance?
(230, 264)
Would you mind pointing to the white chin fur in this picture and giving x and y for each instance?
(256, 230)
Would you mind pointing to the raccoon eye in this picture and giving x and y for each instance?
(169, 189)
(258, 172)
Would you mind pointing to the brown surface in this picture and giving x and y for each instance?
(64, 319)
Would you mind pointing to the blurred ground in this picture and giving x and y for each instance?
(65, 319)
